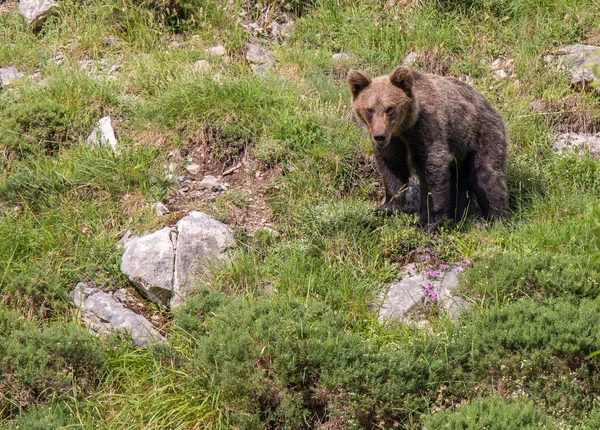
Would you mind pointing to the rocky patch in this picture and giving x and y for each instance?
(408, 300)
(578, 61)
(166, 264)
(583, 142)
(104, 312)
(8, 75)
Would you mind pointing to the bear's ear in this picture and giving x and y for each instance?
(357, 82)
(402, 77)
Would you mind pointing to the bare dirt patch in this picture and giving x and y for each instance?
(248, 184)
(569, 115)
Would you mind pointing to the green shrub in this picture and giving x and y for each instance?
(39, 126)
(42, 364)
(534, 347)
(492, 413)
(282, 363)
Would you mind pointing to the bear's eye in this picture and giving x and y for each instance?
(369, 111)
(389, 111)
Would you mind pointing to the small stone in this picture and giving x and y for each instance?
(261, 68)
(502, 68)
(35, 12)
(340, 56)
(270, 231)
(536, 106)
(201, 66)
(258, 55)
(194, 169)
(8, 75)
(175, 156)
(218, 50)
(121, 295)
(211, 183)
(281, 31)
(161, 209)
(500, 74)
(103, 135)
(410, 59)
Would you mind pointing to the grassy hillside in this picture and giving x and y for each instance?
(286, 338)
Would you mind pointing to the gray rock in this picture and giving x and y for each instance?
(281, 31)
(149, 263)
(401, 298)
(161, 209)
(103, 135)
(503, 68)
(202, 242)
(578, 60)
(256, 54)
(211, 183)
(194, 169)
(450, 302)
(566, 142)
(340, 56)
(167, 264)
(201, 66)
(218, 50)
(101, 68)
(408, 295)
(410, 59)
(8, 75)
(35, 12)
(101, 313)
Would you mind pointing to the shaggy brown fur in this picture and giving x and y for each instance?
(442, 130)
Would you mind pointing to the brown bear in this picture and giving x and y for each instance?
(443, 131)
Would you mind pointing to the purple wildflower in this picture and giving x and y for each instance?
(459, 269)
(430, 273)
(444, 266)
(430, 292)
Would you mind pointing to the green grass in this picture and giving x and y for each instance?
(286, 337)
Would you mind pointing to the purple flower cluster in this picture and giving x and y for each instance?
(434, 269)
(430, 292)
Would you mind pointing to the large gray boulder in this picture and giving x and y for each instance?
(149, 263)
(101, 313)
(167, 264)
(35, 12)
(202, 241)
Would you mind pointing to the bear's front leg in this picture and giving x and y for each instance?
(392, 165)
(435, 177)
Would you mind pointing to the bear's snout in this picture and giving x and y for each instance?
(379, 137)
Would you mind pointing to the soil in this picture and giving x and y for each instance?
(244, 205)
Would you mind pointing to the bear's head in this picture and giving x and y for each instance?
(385, 105)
